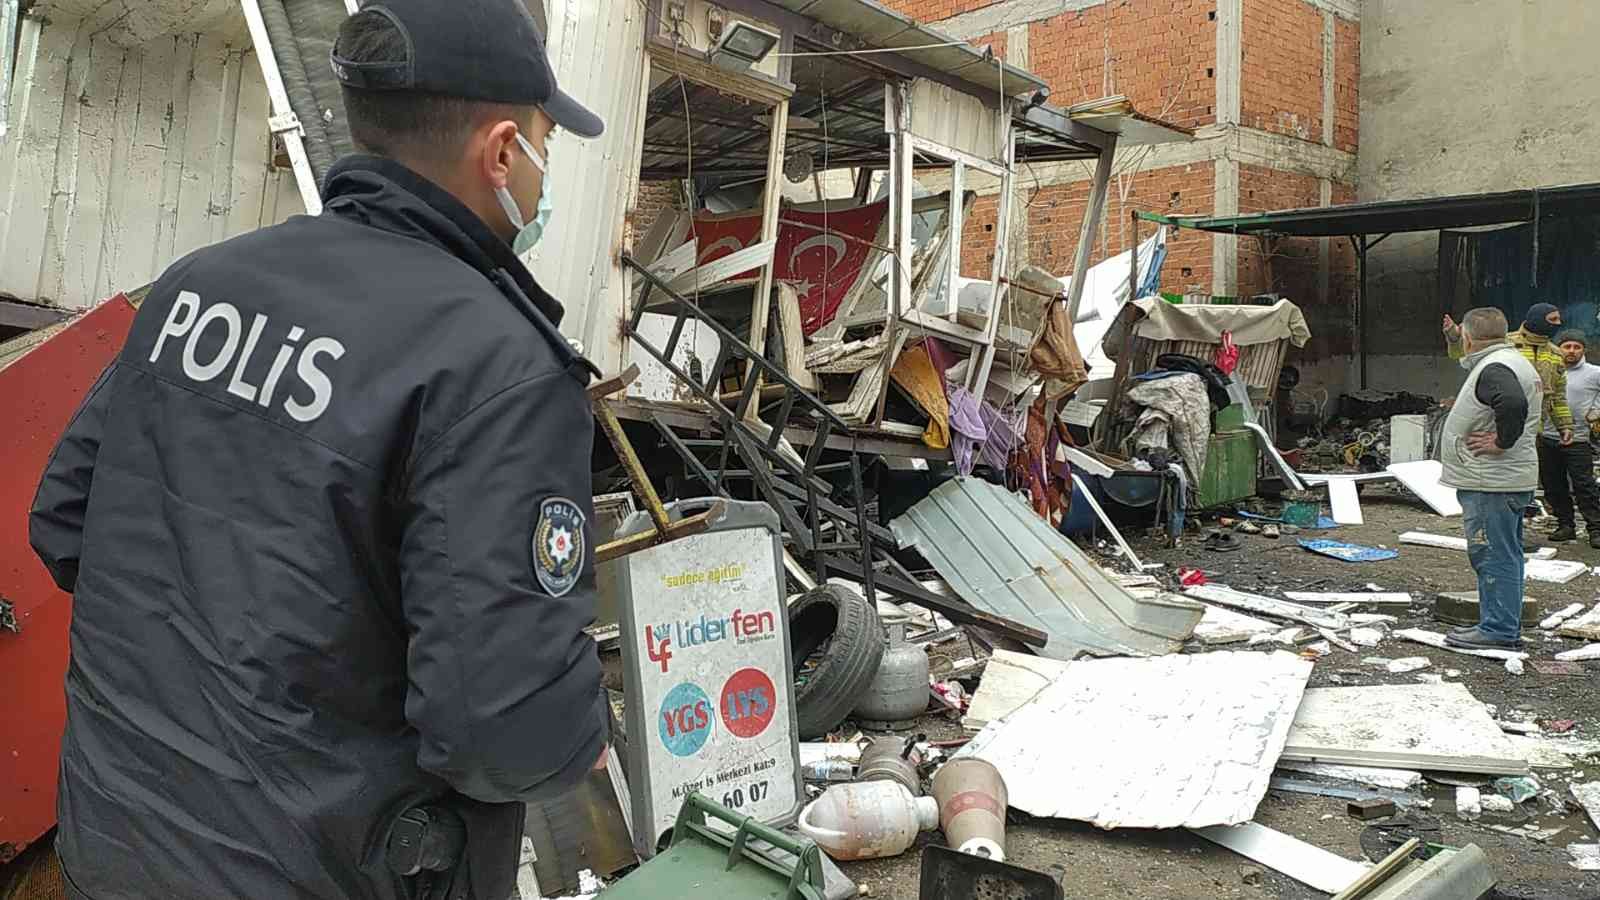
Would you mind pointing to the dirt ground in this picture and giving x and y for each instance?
(1176, 864)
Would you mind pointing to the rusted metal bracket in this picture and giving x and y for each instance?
(662, 529)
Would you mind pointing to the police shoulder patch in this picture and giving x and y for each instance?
(558, 545)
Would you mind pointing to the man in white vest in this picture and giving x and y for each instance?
(1491, 460)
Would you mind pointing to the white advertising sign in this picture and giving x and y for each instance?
(710, 704)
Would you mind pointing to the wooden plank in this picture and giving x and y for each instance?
(1450, 542)
(38, 96)
(761, 304)
(199, 147)
(794, 337)
(722, 268)
(89, 210)
(1267, 606)
(251, 148)
(1345, 500)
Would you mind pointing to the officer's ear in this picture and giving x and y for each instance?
(497, 151)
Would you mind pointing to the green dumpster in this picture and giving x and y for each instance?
(703, 861)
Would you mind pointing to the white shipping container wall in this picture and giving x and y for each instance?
(597, 50)
(119, 160)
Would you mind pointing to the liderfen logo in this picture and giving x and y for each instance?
(743, 627)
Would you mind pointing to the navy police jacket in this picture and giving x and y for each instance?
(326, 521)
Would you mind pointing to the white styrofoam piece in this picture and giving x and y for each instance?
(1556, 618)
(1228, 711)
(1588, 651)
(1408, 438)
(1366, 636)
(1412, 726)
(1325, 477)
(1399, 598)
(1555, 571)
(1397, 779)
(1436, 640)
(1589, 796)
(1583, 627)
(1224, 626)
(1449, 542)
(1585, 857)
(1469, 802)
(1541, 753)
(1306, 863)
(1009, 680)
(1422, 478)
(1408, 664)
(1345, 501)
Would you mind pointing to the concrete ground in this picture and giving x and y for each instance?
(1175, 864)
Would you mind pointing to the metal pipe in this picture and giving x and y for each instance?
(1091, 224)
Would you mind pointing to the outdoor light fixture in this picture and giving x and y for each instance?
(742, 46)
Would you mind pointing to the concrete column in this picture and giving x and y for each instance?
(1230, 60)
(1325, 247)
(1021, 188)
(1225, 196)
(1327, 78)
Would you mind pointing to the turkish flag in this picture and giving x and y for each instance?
(822, 255)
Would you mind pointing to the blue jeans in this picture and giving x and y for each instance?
(1493, 522)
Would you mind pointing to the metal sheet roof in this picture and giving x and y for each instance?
(1002, 558)
(1393, 216)
(882, 27)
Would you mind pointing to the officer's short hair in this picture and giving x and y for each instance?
(407, 125)
(1486, 323)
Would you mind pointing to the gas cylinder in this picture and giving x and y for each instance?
(898, 694)
(867, 819)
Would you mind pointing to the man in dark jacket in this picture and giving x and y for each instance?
(326, 519)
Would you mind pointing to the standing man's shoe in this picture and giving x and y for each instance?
(1563, 534)
(1475, 639)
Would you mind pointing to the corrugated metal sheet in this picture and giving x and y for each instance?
(118, 161)
(1003, 559)
(597, 50)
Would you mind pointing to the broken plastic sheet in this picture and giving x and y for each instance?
(1002, 558)
(1104, 294)
(1098, 743)
(1348, 552)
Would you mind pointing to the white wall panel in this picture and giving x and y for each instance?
(118, 160)
(598, 53)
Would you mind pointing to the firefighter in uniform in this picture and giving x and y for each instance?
(327, 517)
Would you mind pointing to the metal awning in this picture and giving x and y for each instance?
(1396, 216)
(867, 25)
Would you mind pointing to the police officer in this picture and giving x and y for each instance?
(326, 518)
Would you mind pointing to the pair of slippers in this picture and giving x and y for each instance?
(1222, 542)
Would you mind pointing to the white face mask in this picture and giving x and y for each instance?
(528, 233)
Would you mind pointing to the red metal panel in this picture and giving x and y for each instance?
(38, 395)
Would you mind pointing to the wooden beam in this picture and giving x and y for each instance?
(772, 193)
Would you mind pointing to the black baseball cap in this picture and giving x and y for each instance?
(489, 50)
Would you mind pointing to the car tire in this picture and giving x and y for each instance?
(835, 612)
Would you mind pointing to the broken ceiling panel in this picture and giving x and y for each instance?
(1002, 558)
(1411, 726)
(1172, 741)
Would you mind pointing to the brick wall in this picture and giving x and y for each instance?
(934, 10)
(1346, 84)
(1280, 85)
(1055, 215)
(1161, 54)
(654, 197)
(1293, 266)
